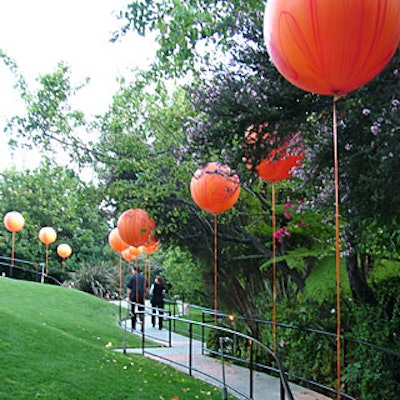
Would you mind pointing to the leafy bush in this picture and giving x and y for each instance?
(100, 280)
(367, 367)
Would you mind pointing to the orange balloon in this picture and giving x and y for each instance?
(47, 235)
(116, 242)
(64, 250)
(279, 170)
(135, 227)
(331, 47)
(214, 188)
(281, 160)
(150, 248)
(127, 255)
(136, 251)
(14, 221)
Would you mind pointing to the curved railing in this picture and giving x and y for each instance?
(25, 270)
(226, 334)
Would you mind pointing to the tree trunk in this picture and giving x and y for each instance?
(360, 289)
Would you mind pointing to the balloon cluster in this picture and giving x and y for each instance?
(14, 222)
(134, 234)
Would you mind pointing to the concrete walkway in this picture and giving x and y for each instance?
(209, 369)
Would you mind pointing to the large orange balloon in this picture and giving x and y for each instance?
(331, 47)
(47, 235)
(14, 221)
(214, 188)
(64, 250)
(135, 227)
(116, 242)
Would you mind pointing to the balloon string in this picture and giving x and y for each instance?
(12, 247)
(273, 269)
(215, 270)
(120, 275)
(338, 331)
(47, 259)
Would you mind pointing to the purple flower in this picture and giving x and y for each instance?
(366, 111)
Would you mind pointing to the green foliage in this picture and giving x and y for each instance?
(56, 197)
(366, 366)
(183, 274)
(99, 280)
(49, 122)
(321, 283)
(180, 26)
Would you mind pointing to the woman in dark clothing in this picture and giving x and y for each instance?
(157, 292)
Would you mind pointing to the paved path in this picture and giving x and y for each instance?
(265, 387)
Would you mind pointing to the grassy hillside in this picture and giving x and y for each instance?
(55, 344)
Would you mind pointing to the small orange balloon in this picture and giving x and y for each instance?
(127, 255)
(331, 47)
(151, 248)
(116, 242)
(64, 250)
(215, 188)
(281, 160)
(14, 221)
(47, 235)
(136, 251)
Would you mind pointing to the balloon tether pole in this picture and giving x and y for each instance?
(215, 270)
(273, 269)
(338, 330)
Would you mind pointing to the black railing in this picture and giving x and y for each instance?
(208, 315)
(25, 270)
(224, 334)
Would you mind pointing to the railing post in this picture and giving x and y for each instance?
(202, 332)
(251, 368)
(143, 330)
(190, 347)
(169, 329)
(282, 390)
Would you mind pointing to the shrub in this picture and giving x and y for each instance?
(100, 280)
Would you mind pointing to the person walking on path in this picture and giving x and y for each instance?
(136, 293)
(157, 292)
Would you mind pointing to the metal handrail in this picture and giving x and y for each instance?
(285, 388)
(5, 264)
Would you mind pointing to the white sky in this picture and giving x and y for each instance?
(37, 34)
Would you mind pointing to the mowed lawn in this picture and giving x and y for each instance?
(57, 343)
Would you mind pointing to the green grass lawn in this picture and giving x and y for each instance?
(57, 343)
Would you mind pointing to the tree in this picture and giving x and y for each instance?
(50, 124)
(58, 198)
(185, 28)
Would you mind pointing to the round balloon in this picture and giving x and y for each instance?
(14, 221)
(116, 242)
(127, 255)
(331, 47)
(281, 160)
(215, 188)
(136, 251)
(135, 227)
(47, 235)
(64, 250)
(151, 248)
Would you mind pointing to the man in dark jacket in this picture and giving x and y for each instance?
(157, 292)
(136, 294)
